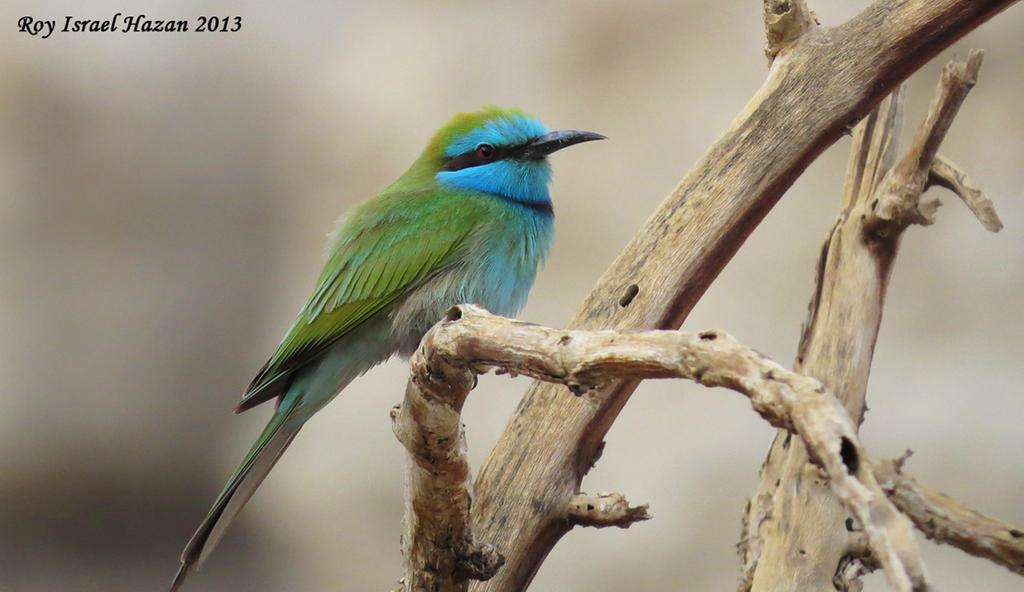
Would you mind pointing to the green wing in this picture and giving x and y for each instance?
(386, 248)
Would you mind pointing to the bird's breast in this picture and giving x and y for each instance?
(497, 273)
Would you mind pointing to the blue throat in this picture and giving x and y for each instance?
(524, 181)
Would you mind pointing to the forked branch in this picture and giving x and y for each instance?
(898, 203)
(882, 197)
(819, 85)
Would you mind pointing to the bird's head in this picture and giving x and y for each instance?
(499, 152)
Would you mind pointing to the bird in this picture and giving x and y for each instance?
(470, 221)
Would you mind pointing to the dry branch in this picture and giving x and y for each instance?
(472, 340)
(945, 173)
(785, 21)
(947, 520)
(818, 86)
(897, 201)
(605, 509)
(881, 198)
(845, 309)
(439, 550)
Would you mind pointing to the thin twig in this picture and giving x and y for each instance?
(945, 173)
(947, 520)
(898, 200)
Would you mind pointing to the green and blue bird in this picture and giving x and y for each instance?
(469, 222)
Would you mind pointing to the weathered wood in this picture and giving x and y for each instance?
(471, 340)
(605, 509)
(950, 521)
(818, 87)
(439, 551)
(797, 537)
(785, 21)
(945, 173)
(837, 344)
(897, 202)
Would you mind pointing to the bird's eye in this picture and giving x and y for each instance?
(485, 151)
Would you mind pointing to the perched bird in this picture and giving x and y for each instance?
(469, 221)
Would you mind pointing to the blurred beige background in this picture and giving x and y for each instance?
(163, 205)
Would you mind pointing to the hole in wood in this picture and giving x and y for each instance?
(631, 291)
(848, 452)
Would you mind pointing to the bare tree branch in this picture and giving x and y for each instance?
(815, 91)
(438, 547)
(945, 173)
(471, 339)
(947, 520)
(881, 198)
(897, 202)
(605, 509)
(845, 309)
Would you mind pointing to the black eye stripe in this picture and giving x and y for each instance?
(473, 158)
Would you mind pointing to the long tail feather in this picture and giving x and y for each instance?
(243, 483)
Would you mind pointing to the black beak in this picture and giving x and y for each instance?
(542, 146)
